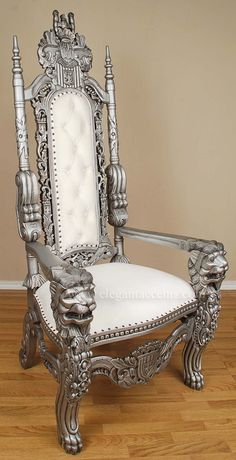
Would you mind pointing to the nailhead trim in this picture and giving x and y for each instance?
(75, 246)
(96, 337)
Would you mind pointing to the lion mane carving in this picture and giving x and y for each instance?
(207, 267)
(72, 298)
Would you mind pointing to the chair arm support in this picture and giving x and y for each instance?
(72, 303)
(72, 291)
(46, 259)
(207, 264)
(166, 239)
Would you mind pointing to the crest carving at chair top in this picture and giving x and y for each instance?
(63, 53)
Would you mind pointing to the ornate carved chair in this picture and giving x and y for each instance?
(78, 194)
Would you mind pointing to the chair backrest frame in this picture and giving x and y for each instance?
(66, 60)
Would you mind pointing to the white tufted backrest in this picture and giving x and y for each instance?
(73, 171)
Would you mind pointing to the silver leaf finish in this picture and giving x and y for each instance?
(142, 364)
(73, 301)
(66, 60)
(207, 268)
(28, 208)
(116, 177)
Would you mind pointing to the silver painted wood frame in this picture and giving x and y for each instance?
(66, 61)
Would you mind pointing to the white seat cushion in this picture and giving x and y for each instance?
(130, 298)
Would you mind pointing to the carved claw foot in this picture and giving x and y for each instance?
(72, 443)
(195, 380)
(192, 354)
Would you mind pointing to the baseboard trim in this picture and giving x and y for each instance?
(12, 285)
(229, 285)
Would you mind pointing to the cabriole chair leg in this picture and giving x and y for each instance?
(74, 379)
(205, 324)
(192, 365)
(67, 421)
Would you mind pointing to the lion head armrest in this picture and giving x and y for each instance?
(73, 300)
(72, 291)
(207, 266)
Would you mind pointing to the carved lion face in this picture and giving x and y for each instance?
(72, 296)
(211, 264)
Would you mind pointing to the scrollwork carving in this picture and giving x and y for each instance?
(60, 51)
(63, 53)
(28, 208)
(83, 259)
(116, 190)
(144, 362)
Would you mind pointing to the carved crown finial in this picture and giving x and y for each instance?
(64, 27)
(63, 53)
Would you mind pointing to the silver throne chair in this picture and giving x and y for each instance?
(72, 298)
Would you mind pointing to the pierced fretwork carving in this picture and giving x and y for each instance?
(66, 60)
(207, 267)
(144, 362)
(40, 110)
(85, 258)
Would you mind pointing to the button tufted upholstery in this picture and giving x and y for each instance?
(129, 296)
(73, 171)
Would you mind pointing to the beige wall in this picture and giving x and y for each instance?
(175, 68)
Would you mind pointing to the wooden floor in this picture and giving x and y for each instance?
(163, 418)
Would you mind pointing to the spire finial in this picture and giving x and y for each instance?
(16, 56)
(108, 65)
